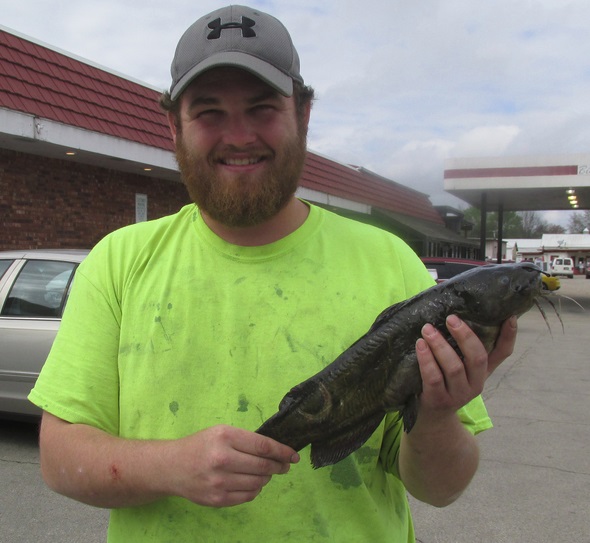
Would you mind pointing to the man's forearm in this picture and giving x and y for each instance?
(220, 466)
(437, 460)
(93, 467)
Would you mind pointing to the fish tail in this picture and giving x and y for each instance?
(276, 429)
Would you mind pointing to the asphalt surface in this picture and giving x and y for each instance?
(533, 485)
(29, 511)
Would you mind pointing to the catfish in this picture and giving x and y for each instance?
(337, 409)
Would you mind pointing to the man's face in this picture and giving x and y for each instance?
(239, 147)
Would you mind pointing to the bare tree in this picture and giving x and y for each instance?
(533, 225)
(517, 224)
(578, 221)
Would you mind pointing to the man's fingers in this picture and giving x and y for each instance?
(261, 455)
(504, 345)
(475, 356)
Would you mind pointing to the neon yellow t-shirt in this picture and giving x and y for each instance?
(170, 330)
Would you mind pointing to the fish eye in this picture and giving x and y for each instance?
(504, 280)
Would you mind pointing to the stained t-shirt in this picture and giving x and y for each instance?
(170, 330)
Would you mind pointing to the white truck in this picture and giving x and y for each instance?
(562, 266)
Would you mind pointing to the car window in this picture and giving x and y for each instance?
(446, 270)
(4, 265)
(39, 290)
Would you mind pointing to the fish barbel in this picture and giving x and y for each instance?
(338, 409)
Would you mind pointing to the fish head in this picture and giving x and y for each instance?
(495, 292)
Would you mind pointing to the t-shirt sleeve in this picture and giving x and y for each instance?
(79, 381)
(474, 416)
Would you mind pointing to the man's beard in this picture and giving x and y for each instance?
(248, 199)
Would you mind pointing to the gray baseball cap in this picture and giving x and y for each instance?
(236, 36)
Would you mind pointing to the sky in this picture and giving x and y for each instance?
(401, 85)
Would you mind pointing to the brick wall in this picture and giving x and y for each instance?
(50, 203)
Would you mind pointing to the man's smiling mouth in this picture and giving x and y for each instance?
(241, 161)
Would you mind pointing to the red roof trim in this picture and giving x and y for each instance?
(524, 171)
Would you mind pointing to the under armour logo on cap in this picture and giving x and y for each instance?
(246, 26)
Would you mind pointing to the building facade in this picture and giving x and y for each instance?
(84, 151)
(545, 250)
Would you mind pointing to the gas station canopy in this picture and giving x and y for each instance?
(526, 183)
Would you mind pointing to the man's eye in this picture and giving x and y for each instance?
(262, 108)
(208, 113)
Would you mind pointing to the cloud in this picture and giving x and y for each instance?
(485, 141)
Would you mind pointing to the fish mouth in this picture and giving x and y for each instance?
(530, 281)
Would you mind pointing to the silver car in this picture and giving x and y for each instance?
(34, 287)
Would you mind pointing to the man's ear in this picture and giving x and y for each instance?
(173, 124)
(306, 115)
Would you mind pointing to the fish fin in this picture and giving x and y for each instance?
(386, 314)
(283, 425)
(410, 412)
(297, 393)
(288, 399)
(325, 453)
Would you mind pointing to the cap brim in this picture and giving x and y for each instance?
(268, 73)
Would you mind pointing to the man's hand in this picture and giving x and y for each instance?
(439, 457)
(448, 382)
(219, 467)
(223, 466)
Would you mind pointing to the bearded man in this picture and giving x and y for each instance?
(182, 334)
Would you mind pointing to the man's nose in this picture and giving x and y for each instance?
(238, 131)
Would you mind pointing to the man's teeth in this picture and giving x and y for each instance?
(240, 161)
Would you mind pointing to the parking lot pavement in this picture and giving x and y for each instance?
(534, 477)
(29, 511)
